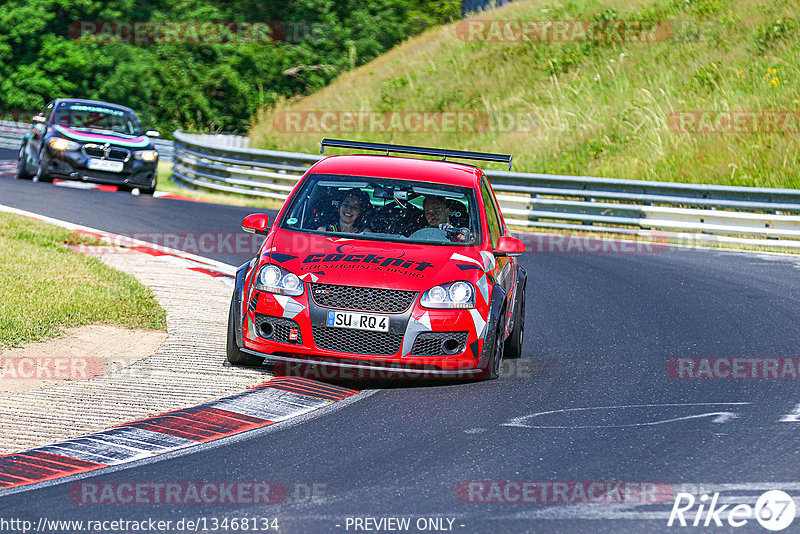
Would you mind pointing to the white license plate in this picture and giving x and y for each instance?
(105, 165)
(358, 321)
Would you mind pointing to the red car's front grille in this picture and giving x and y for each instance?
(357, 341)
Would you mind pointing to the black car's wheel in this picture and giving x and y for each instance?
(513, 347)
(22, 172)
(41, 174)
(235, 355)
(492, 370)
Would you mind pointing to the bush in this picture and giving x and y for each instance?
(195, 85)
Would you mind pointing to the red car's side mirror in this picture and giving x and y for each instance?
(257, 223)
(509, 246)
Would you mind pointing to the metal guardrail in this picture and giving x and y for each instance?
(11, 134)
(205, 163)
(696, 213)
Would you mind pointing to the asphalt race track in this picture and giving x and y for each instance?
(595, 398)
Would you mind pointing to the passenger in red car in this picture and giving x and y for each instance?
(351, 211)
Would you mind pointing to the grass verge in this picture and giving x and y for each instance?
(46, 287)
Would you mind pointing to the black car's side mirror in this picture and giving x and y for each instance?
(38, 119)
(152, 133)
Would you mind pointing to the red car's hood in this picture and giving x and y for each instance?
(359, 262)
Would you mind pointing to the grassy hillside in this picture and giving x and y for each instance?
(602, 107)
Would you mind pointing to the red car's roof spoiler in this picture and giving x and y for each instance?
(443, 153)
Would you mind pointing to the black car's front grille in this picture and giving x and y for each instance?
(277, 329)
(99, 151)
(119, 154)
(439, 343)
(94, 151)
(357, 341)
(362, 298)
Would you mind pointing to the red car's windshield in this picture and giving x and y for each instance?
(382, 208)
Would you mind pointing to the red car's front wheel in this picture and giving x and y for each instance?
(492, 370)
(235, 355)
(513, 347)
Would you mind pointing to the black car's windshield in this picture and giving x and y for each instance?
(382, 208)
(96, 118)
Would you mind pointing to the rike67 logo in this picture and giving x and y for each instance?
(774, 510)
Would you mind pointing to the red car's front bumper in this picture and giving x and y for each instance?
(440, 342)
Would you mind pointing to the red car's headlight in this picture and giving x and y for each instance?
(453, 295)
(274, 279)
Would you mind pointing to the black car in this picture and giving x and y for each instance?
(89, 141)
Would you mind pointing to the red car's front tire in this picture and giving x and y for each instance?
(235, 355)
(513, 347)
(492, 370)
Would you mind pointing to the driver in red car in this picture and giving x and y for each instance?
(437, 214)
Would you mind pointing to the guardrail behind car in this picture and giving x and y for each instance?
(693, 213)
(11, 134)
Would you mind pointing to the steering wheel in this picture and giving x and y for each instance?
(431, 233)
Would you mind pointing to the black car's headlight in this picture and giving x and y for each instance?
(453, 295)
(60, 144)
(274, 279)
(145, 155)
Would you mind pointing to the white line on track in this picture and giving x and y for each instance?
(113, 238)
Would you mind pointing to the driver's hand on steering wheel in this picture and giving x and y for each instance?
(461, 235)
(456, 234)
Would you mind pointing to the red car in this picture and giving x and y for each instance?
(383, 264)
